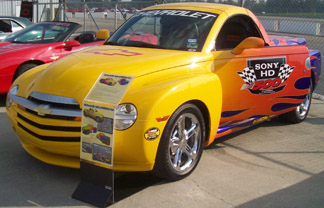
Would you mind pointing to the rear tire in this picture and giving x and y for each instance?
(300, 113)
(181, 144)
(22, 69)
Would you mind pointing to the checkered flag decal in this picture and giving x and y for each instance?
(248, 75)
(284, 72)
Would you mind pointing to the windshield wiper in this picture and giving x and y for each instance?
(132, 43)
(142, 44)
(111, 43)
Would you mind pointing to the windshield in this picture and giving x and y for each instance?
(23, 21)
(166, 29)
(45, 32)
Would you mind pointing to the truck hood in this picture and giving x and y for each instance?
(75, 74)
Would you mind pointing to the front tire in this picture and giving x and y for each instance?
(300, 113)
(181, 144)
(22, 69)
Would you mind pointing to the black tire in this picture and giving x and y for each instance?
(300, 113)
(179, 153)
(22, 69)
(97, 119)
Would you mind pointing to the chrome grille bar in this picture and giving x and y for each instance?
(54, 98)
(45, 109)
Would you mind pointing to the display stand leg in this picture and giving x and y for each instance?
(96, 186)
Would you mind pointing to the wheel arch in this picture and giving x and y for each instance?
(313, 80)
(204, 91)
(205, 113)
(167, 163)
(37, 62)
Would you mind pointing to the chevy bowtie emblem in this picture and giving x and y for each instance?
(54, 57)
(43, 109)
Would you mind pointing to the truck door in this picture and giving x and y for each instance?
(259, 82)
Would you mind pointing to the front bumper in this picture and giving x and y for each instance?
(45, 138)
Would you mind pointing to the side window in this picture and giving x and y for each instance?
(5, 26)
(234, 31)
(16, 27)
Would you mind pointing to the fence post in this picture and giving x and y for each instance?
(12, 8)
(318, 29)
(52, 10)
(241, 3)
(276, 26)
(44, 10)
(37, 12)
(84, 15)
(116, 7)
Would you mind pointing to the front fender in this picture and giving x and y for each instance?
(204, 89)
(156, 97)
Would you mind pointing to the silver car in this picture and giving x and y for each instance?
(10, 25)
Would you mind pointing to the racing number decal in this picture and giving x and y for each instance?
(265, 76)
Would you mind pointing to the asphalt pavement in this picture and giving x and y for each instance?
(272, 165)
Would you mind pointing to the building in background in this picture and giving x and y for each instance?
(42, 9)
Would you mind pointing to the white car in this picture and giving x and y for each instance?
(10, 25)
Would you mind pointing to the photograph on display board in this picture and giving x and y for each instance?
(102, 153)
(86, 147)
(106, 125)
(97, 133)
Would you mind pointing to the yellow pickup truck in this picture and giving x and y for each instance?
(201, 71)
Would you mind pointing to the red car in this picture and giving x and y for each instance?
(38, 44)
(103, 138)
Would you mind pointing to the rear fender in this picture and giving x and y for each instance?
(315, 58)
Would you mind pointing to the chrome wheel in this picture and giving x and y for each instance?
(302, 109)
(181, 144)
(184, 143)
(300, 113)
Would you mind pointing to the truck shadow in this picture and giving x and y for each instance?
(314, 120)
(3, 100)
(127, 184)
(46, 185)
(228, 142)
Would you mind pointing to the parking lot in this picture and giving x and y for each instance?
(271, 165)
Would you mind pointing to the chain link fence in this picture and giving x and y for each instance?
(294, 18)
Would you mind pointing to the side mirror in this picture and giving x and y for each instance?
(68, 45)
(250, 42)
(103, 34)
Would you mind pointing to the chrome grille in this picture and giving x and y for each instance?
(49, 108)
(48, 127)
(54, 100)
(50, 138)
(50, 105)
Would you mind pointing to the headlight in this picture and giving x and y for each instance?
(12, 91)
(125, 116)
